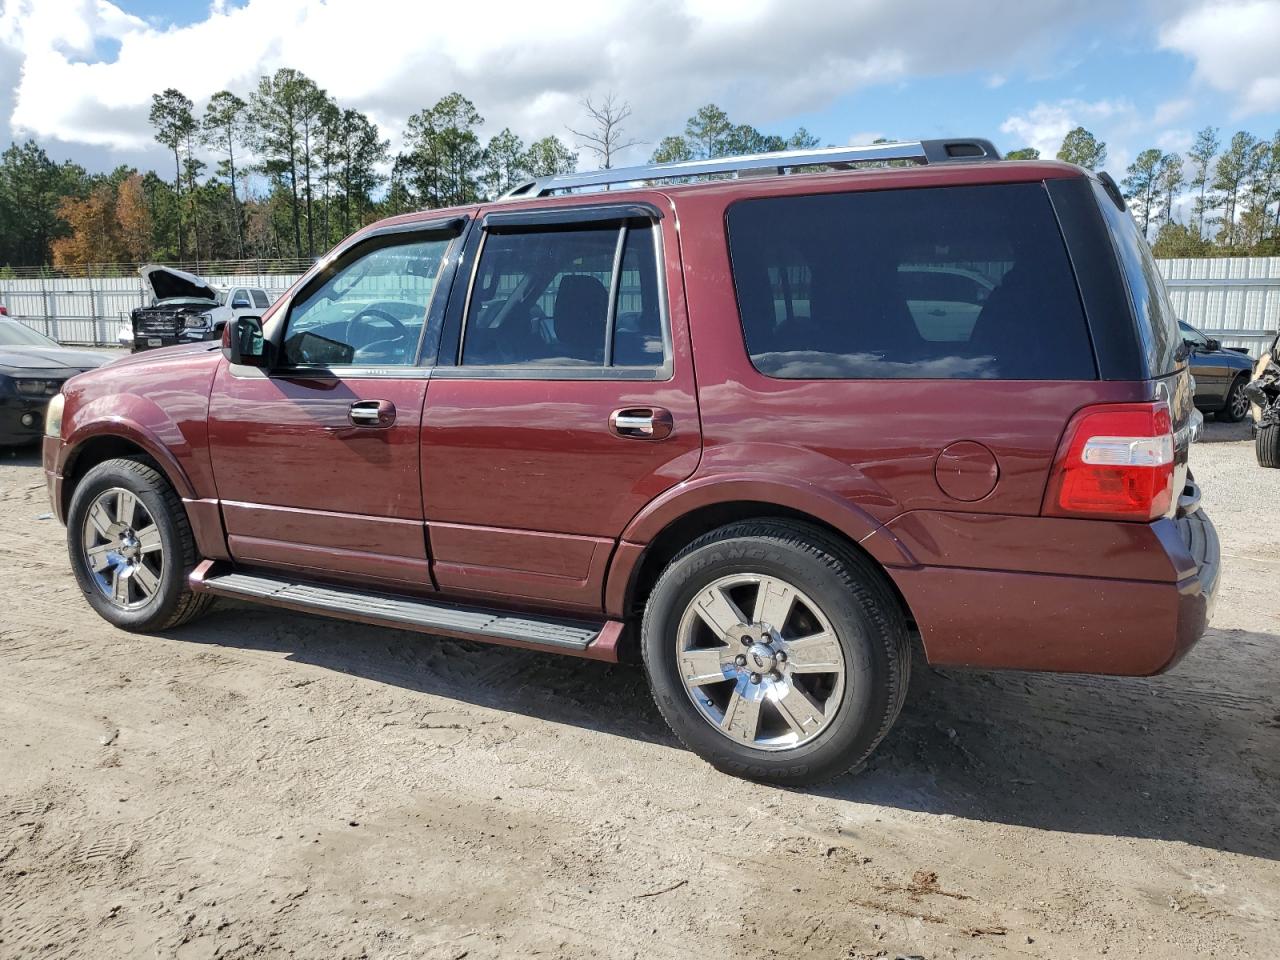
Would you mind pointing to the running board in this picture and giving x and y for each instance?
(597, 640)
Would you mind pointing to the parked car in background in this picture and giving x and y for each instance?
(755, 432)
(185, 309)
(1220, 374)
(32, 370)
(1263, 392)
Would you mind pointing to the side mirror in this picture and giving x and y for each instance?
(243, 343)
(1212, 344)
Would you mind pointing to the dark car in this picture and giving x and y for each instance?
(32, 370)
(655, 422)
(1220, 374)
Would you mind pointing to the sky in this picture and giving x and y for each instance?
(78, 75)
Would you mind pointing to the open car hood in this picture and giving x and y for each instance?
(166, 283)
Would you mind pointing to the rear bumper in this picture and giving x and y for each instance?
(1066, 622)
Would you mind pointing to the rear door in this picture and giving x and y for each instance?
(563, 400)
(316, 460)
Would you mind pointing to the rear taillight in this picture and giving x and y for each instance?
(1115, 463)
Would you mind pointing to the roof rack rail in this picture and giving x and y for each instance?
(765, 164)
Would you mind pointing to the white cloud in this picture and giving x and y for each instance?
(870, 136)
(1045, 124)
(1234, 46)
(762, 60)
(1175, 141)
(996, 81)
(1171, 111)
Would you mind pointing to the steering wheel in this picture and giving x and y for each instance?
(374, 315)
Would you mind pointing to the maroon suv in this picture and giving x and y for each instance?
(759, 429)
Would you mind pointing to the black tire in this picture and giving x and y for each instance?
(173, 603)
(1234, 409)
(863, 613)
(1266, 444)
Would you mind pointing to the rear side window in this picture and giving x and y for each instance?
(260, 299)
(1156, 319)
(936, 283)
(583, 297)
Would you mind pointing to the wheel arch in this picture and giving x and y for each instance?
(636, 566)
(117, 440)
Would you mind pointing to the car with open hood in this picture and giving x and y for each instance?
(184, 308)
(33, 369)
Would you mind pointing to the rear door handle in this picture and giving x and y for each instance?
(372, 413)
(641, 423)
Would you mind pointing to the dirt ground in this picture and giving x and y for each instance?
(267, 784)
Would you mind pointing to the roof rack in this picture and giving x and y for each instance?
(765, 164)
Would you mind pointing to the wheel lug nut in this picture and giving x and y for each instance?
(775, 675)
(755, 678)
(740, 660)
(780, 656)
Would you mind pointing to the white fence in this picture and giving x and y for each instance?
(1235, 299)
(91, 310)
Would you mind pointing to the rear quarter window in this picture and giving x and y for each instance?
(1156, 320)
(965, 282)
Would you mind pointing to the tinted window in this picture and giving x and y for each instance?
(954, 282)
(543, 298)
(637, 338)
(370, 310)
(1146, 287)
(260, 299)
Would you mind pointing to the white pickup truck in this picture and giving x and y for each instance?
(184, 308)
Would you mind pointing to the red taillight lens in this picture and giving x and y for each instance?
(1115, 463)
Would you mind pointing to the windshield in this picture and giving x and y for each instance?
(14, 334)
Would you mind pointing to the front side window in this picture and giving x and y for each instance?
(370, 310)
(550, 298)
(1193, 336)
(967, 282)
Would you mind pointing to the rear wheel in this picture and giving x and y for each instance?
(131, 547)
(774, 653)
(1237, 405)
(1267, 445)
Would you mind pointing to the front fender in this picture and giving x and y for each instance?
(126, 429)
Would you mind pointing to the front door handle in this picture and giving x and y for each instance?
(372, 413)
(641, 423)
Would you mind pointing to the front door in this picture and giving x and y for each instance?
(316, 459)
(562, 403)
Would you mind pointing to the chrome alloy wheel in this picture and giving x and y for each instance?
(122, 548)
(770, 680)
(1239, 403)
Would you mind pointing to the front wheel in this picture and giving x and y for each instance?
(1237, 405)
(775, 653)
(131, 547)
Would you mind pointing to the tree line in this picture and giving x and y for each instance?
(1216, 199)
(293, 172)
